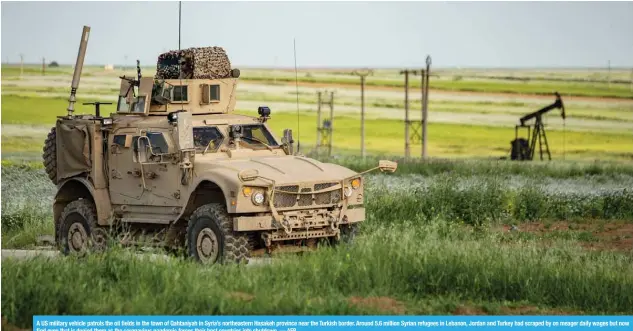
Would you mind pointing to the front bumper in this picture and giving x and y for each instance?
(300, 220)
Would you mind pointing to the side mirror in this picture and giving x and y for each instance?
(389, 166)
(248, 175)
(288, 142)
(185, 130)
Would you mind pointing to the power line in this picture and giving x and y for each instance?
(425, 104)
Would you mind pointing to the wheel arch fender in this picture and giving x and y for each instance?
(81, 188)
(218, 185)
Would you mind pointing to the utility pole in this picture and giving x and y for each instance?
(425, 103)
(318, 140)
(43, 66)
(275, 76)
(407, 122)
(331, 123)
(21, 65)
(362, 74)
(325, 128)
(406, 113)
(609, 74)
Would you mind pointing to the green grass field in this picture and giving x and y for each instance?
(531, 87)
(422, 271)
(382, 136)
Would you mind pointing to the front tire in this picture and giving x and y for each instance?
(349, 232)
(78, 231)
(211, 239)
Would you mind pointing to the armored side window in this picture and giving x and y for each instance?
(255, 133)
(120, 143)
(123, 106)
(210, 93)
(180, 94)
(204, 136)
(159, 145)
(119, 140)
(139, 105)
(122, 140)
(215, 92)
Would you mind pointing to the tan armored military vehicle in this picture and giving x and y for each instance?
(175, 167)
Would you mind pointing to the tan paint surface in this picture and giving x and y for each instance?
(153, 187)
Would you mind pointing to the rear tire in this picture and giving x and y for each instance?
(78, 231)
(211, 239)
(49, 155)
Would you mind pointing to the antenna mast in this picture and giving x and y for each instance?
(297, 87)
(180, 59)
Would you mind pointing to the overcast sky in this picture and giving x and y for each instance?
(346, 34)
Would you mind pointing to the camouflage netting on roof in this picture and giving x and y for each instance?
(198, 63)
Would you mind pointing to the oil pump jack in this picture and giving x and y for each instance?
(523, 149)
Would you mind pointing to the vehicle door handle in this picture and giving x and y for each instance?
(135, 173)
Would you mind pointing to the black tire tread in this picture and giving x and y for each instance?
(236, 245)
(84, 207)
(349, 233)
(49, 155)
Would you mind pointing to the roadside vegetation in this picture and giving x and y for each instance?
(398, 266)
(462, 192)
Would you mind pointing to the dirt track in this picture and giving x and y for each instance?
(22, 254)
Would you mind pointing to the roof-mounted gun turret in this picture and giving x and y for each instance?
(198, 80)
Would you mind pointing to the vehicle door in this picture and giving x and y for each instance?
(157, 156)
(123, 171)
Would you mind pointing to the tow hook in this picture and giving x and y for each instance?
(266, 238)
(286, 225)
(333, 223)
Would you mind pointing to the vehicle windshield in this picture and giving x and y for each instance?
(258, 136)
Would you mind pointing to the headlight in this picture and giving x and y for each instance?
(348, 191)
(356, 183)
(258, 198)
